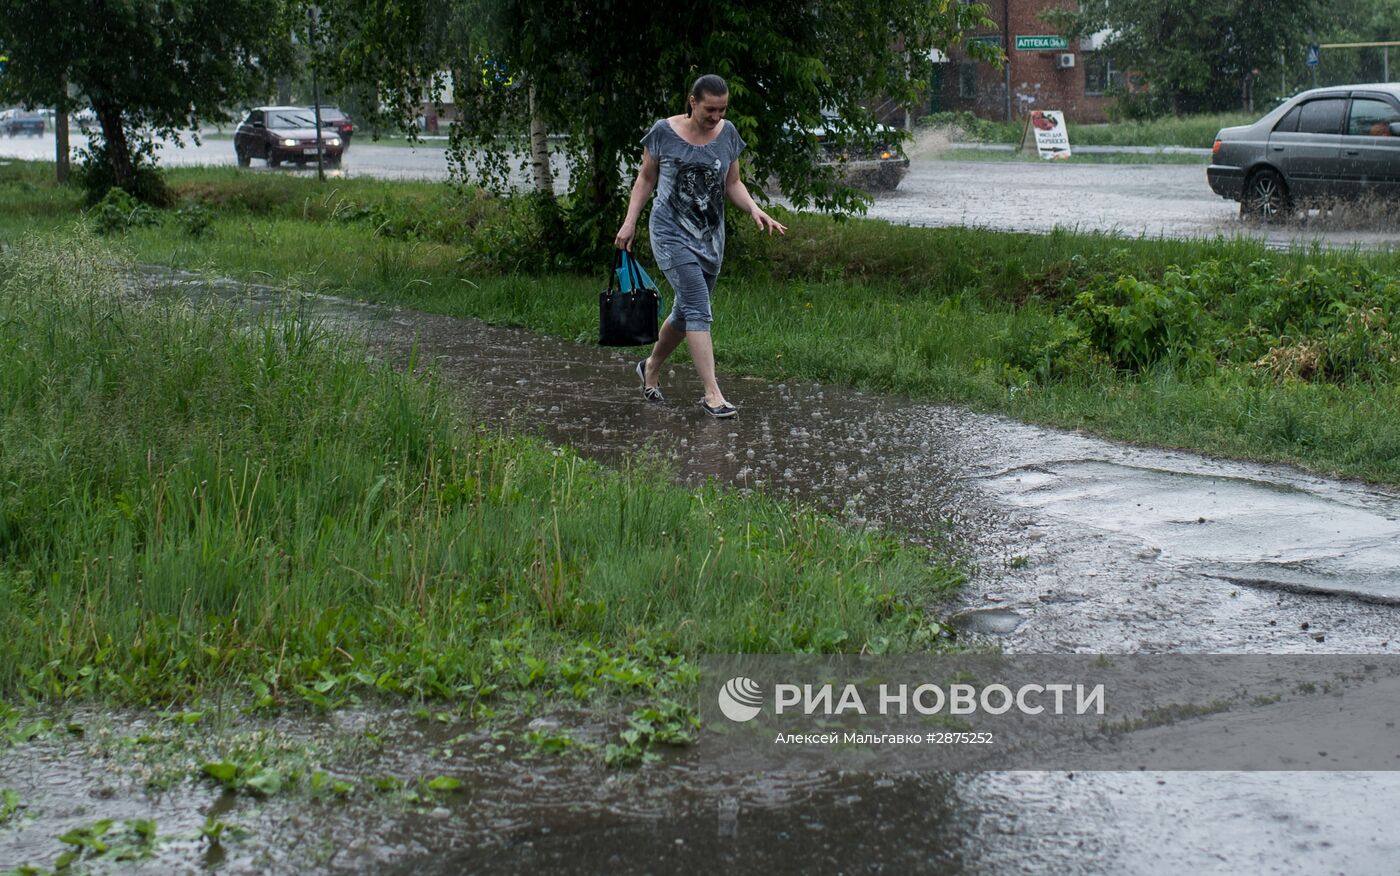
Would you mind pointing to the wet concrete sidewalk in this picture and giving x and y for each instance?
(1075, 544)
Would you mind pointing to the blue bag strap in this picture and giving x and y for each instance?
(630, 274)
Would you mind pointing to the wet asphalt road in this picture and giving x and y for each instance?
(1077, 545)
(1141, 200)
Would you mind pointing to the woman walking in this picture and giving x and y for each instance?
(691, 162)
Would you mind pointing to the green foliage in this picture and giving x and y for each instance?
(1046, 349)
(572, 67)
(119, 212)
(252, 778)
(10, 805)
(667, 723)
(1332, 324)
(1140, 324)
(215, 830)
(1195, 130)
(146, 66)
(351, 535)
(194, 220)
(96, 175)
(1196, 55)
(963, 126)
(132, 840)
(1358, 21)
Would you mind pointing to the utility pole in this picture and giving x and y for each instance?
(315, 13)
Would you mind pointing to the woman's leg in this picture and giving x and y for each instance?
(702, 352)
(667, 340)
(689, 321)
(697, 335)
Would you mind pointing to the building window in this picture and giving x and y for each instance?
(1100, 76)
(967, 80)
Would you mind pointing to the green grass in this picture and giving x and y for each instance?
(956, 154)
(1196, 131)
(195, 504)
(989, 320)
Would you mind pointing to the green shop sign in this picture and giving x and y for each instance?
(1041, 43)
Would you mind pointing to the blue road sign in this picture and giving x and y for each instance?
(1314, 55)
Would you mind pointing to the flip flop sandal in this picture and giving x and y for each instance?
(719, 412)
(650, 393)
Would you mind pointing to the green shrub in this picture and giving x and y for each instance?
(1331, 323)
(1046, 349)
(968, 127)
(118, 211)
(1139, 324)
(94, 174)
(194, 219)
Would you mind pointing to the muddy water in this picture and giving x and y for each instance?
(1074, 545)
(1086, 546)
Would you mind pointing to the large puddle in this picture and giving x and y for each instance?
(1074, 545)
(1086, 546)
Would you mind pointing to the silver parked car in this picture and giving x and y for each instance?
(1322, 145)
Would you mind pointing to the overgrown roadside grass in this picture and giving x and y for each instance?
(195, 506)
(956, 154)
(1198, 130)
(1217, 345)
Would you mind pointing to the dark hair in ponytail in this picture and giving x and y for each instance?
(709, 84)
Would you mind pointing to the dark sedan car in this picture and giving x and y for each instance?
(1324, 145)
(18, 122)
(284, 133)
(880, 168)
(333, 117)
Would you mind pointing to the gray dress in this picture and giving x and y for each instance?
(687, 218)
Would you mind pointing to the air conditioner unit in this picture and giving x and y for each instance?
(1064, 60)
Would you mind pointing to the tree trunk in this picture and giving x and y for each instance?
(60, 150)
(602, 183)
(539, 150)
(115, 143)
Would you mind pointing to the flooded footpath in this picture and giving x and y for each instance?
(1074, 545)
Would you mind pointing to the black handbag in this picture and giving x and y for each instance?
(628, 318)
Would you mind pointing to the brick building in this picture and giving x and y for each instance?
(1043, 70)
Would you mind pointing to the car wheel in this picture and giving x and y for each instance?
(244, 159)
(332, 161)
(272, 158)
(1266, 197)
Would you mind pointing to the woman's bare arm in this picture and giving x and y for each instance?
(642, 190)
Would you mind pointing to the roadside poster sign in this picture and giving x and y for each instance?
(1051, 135)
(1314, 55)
(1042, 43)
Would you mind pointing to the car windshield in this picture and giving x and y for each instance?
(331, 114)
(291, 120)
